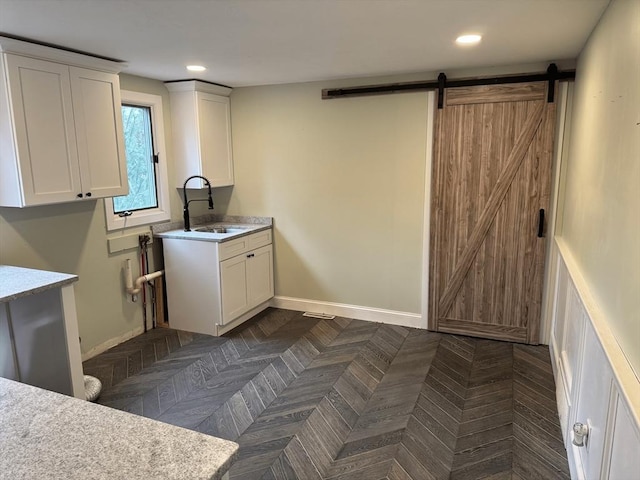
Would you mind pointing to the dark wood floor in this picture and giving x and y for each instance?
(347, 399)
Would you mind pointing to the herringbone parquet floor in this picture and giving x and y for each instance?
(346, 399)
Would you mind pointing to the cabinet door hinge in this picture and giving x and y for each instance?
(156, 158)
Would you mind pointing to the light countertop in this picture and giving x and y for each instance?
(249, 225)
(16, 282)
(210, 236)
(48, 435)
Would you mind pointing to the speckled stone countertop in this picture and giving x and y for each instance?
(16, 282)
(176, 229)
(48, 435)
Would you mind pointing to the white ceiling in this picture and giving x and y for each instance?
(257, 42)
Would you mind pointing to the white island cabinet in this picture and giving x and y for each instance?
(201, 125)
(61, 135)
(39, 343)
(214, 286)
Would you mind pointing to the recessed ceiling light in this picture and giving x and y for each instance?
(468, 39)
(196, 68)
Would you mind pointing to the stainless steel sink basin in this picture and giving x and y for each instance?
(212, 229)
(221, 229)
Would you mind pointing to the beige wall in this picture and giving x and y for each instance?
(72, 238)
(601, 219)
(344, 181)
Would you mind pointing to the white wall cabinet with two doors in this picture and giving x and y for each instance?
(61, 136)
(213, 287)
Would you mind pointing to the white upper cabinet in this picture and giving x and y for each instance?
(201, 124)
(61, 134)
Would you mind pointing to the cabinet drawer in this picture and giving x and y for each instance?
(260, 239)
(233, 247)
(243, 244)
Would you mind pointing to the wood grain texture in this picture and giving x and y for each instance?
(486, 217)
(485, 330)
(510, 92)
(348, 399)
(491, 175)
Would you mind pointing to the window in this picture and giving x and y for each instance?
(148, 198)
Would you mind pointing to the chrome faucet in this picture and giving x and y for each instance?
(185, 211)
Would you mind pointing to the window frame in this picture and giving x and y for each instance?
(163, 211)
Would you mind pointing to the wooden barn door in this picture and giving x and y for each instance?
(491, 179)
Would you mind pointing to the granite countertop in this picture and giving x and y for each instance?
(16, 282)
(48, 435)
(248, 225)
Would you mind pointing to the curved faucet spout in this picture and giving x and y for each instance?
(185, 211)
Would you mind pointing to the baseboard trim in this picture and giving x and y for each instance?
(103, 347)
(392, 317)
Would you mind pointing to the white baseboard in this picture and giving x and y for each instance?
(392, 317)
(103, 347)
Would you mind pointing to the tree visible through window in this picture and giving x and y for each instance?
(143, 132)
(138, 140)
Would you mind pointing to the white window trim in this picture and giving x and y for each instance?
(163, 211)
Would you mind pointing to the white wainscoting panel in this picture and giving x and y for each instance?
(593, 390)
(623, 452)
(595, 384)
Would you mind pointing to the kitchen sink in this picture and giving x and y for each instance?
(222, 229)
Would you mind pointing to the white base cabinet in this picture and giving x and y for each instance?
(39, 339)
(61, 135)
(212, 286)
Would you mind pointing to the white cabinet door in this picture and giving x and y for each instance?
(98, 120)
(233, 283)
(214, 121)
(260, 275)
(44, 130)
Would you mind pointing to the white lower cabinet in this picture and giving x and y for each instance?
(213, 287)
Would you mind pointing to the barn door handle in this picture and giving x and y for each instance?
(541, 223)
